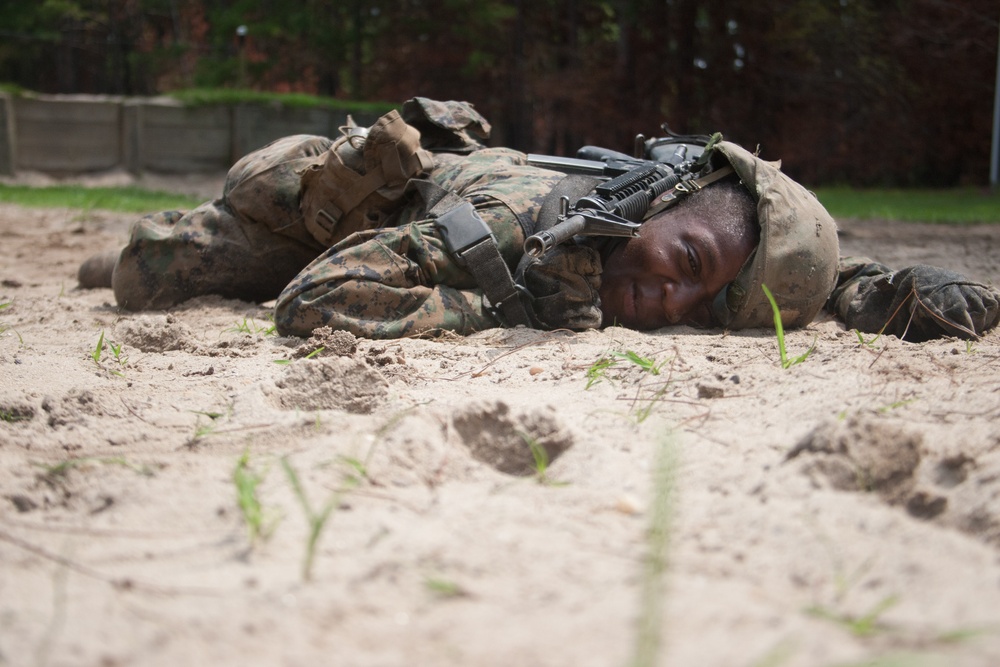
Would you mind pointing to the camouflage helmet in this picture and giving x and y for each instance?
(796, 257)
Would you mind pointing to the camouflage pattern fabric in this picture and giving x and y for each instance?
(246, 245)
(252, 243)
(396, 282)
(451, 126)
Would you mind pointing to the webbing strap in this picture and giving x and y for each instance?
(470, 242)
(484, 262)
(674, 194)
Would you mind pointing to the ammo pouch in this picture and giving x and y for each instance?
(361, 179)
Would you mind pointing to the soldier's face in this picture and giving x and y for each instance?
(672, 272)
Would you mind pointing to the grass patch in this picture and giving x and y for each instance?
(864, 625)
(246, 480)
(13, 416)
(316, 520)
(598, 370)
(540, 455)
(58, 470)
(650, 367)
(250, 326)
(116, 351)
(126, 199)
(958, 206)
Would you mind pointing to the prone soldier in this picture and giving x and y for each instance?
(414, 226)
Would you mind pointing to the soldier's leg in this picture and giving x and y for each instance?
(172, 257)
(247, 245)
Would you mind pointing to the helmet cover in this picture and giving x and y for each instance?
(797, 256)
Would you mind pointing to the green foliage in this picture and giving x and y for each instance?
(316, 520)
(250, 326)
(123, 199)
(357, 465)
(96, 354)
(377, 50)
(541, 458)
(954, 206)
(444, 588)
(647, 364)
(247, 481)
(780, 332)
(896, 404)
(598, 370)
(116, 352)
(646, 397)
(61, 469)
(285, 362)
(864, 625)
(867, 343)
(11, 416)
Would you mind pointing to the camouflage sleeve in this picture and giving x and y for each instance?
(387, 283)
(917, 303)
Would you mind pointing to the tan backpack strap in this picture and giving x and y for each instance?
(358, 183)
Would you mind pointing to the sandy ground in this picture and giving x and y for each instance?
(843, 511)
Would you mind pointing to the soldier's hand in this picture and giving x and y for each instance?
(564, 285)
(951, 302)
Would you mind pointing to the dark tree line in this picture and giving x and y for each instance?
(890, 92)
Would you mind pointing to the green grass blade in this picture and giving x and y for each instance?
(96, 354)
(779, 328)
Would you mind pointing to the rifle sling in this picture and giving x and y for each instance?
(674, 195)
(470, 242)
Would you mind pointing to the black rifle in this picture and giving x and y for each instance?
(617, 206)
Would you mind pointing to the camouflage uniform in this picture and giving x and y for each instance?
(381, 283)
(255, 243)
(246, 245)
(388, 283)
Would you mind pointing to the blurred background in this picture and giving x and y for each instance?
(858, 92)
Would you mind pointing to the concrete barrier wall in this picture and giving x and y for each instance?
(76, 134)
(6, 135)
(70, 136)
(174, 139)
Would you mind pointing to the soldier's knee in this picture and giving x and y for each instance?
(289, 317)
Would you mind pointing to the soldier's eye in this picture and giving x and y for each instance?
(693, 262)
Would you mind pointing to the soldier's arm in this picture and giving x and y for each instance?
(916, 303)
(387, 283)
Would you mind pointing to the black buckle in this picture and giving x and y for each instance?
(462, 228)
